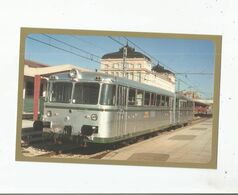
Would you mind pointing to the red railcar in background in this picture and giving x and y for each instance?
(202, 109)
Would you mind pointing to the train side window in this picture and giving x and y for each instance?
(185, 104)
(139, 97)
(108, 94)
(171, 102)
(158, 100)
(131, 97)
(162, 100)
(182, 104)
(177, 103)
(147, 99)
(153, 99)
(167, 101)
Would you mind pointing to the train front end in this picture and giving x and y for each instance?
(71, 109)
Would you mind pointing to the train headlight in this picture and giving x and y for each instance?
(73, 73)
(54, 77)
(94, 117)
(49, 113)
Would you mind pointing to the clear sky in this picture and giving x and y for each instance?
(179, 55)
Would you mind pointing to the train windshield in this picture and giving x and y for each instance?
(61, 92)
(86, 93)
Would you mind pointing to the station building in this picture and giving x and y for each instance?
(137, 66)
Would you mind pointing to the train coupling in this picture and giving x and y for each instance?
(39, 125)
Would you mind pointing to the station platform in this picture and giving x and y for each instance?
(190, 144)
(27, 123)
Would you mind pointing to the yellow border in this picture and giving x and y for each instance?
(217, 39)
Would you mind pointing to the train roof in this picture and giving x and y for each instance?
(91, 76)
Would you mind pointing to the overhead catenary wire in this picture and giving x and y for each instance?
(59, 48)
(63, 42)
(74, 53)
(65, 50)
(116, 41)
(94, 54)
(82, 50)
(175, 72)
(152, 57)
(79, 55)
(87, 42)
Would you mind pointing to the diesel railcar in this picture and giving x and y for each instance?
(100, 108)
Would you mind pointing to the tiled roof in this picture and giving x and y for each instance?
(161, 69)
(131, 53)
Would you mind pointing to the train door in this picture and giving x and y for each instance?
(177, 111)
(121, 114)
(182, 111)
(171, 110)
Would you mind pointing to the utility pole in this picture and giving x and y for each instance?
(178, 85)
(124, 60)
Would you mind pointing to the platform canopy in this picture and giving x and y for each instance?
(205, 102)
(46, 71)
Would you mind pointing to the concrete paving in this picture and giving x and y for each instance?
(191, 144)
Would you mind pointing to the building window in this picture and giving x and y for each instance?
(105, 66)
(136, 76)
(139, 75)
(115, 66)
(131, 75)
